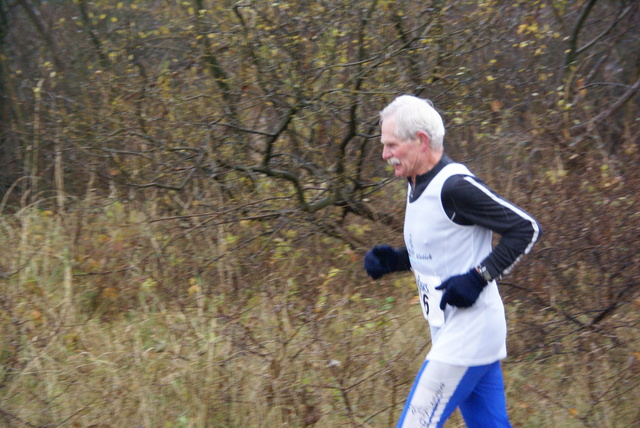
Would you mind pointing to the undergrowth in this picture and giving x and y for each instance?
(110, 319)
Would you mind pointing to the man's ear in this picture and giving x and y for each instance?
(423, 138)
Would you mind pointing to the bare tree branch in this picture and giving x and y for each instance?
(41, 27)
(573, 41)
(610, 112)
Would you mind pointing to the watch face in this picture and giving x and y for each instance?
(485, 273)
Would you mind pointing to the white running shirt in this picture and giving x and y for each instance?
(438, 249)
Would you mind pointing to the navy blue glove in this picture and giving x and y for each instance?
(381, 260)
(462, 290)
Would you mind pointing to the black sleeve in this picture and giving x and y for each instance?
(405, 263)
(468, 201)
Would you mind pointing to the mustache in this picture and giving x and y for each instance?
(393, 161)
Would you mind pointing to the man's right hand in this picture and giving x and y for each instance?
(381, 260)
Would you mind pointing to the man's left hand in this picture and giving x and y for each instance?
(462, 290)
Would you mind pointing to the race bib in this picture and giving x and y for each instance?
(430, 299)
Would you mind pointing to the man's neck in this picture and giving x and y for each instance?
(431, 160)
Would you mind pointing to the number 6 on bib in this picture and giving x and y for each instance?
(430, 299)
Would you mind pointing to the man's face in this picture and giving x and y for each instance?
(402, 155)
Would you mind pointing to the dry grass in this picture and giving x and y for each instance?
(109, 320)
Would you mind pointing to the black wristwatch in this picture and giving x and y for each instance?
(484, 273)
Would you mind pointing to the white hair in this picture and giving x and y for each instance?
(412, 115)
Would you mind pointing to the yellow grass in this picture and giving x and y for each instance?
(106, 322)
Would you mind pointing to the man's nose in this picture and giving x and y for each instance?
(386, 153)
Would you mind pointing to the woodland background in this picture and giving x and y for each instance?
(187, 189)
